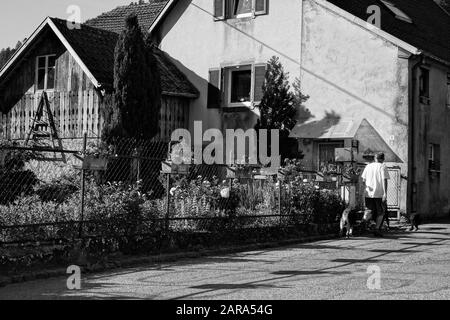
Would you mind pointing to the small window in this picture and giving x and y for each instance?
(424, 85)
(242, 8)
(236, 86)
(241, 86)
(45, 72)
(399, 14)
(434, 157)
(235, 9)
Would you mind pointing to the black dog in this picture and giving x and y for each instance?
(415, 220)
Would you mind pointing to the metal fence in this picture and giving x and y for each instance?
(126, 187)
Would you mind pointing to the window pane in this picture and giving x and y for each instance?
(241, 85)
(51, 61)
(51, 78)
(242, 7)
(41, 62)
(41, 78)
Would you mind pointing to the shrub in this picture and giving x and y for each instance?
(15, 181)
(58, 190)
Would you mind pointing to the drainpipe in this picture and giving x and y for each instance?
(412, 118)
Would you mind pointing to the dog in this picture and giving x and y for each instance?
(415, 220)
(347, 223)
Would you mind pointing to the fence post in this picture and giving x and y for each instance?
(167, 203)
(82, 191)
(279, 199)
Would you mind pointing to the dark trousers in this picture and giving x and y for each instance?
(377, 207)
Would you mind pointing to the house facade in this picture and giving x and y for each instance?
(377, 73)
(372, 86)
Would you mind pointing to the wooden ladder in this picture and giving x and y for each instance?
(43, 133)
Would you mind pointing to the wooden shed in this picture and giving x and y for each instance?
(75, 68)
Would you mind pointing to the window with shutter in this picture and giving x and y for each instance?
(259, 74)
(261, 7)
(214, 92)
(219, 9)
(232, 9)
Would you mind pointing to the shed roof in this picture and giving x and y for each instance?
(94, 50)
(114, 20)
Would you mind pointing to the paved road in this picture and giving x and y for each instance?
(413, 266)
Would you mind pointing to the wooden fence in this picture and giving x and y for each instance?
(78, 112)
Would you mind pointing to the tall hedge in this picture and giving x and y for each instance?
(137, 89)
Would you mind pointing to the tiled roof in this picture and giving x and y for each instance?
(95, 48)
(114, 20)
(429, 30)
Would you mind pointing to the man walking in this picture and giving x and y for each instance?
(375, 177)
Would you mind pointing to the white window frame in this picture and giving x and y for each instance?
(229, 71)
(47, 56)
(242, 15)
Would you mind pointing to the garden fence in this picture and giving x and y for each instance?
(126, 187)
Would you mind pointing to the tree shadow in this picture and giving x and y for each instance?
(316, 129)
(237, 286)
(309, 272)
(387, 251)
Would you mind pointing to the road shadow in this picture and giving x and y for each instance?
(394, 251)
(235, 286)
(310, 272)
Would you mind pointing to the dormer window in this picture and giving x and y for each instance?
(236, 9)
(45, 72)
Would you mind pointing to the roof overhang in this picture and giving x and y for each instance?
(48, 23)
(369, 27)
(327, 128)
(161, 15)
(369, 140)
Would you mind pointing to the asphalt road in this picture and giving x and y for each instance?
(412, 266)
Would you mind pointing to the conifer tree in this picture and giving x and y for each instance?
(277, 107)
(134, 112)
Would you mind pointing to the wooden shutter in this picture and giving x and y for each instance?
(261, 7)
(219, 9)
(259, 78)
(214, 93)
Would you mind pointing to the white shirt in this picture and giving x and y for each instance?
(374, 175)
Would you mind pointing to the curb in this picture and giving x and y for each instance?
(139, 261)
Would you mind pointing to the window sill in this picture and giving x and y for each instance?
(237, 19)
(247, 104)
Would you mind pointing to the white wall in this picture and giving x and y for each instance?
(199, 43)
(356, 74)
